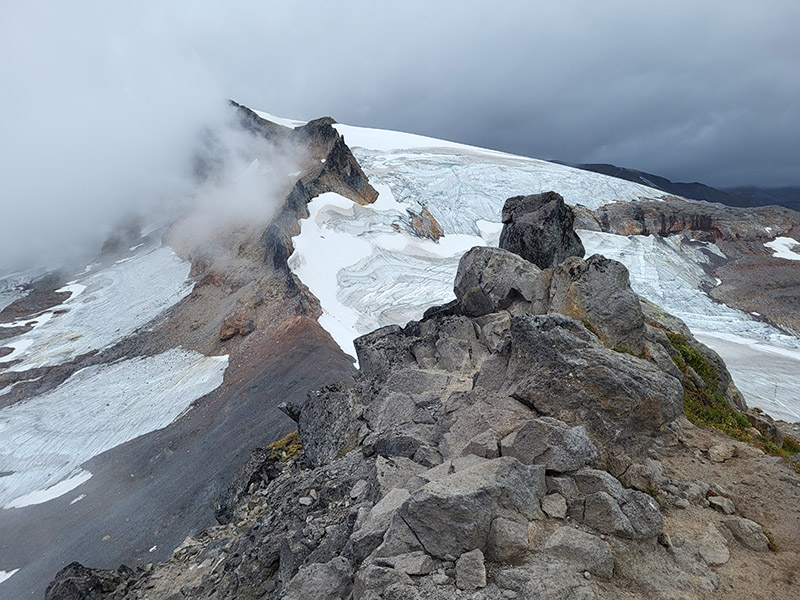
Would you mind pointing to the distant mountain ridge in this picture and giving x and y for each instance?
(743, 196)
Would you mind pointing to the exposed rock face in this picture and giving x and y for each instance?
(425, 225)
(329, 167)
(539, 229)
(552, 443)
(598, 291)
(560, 369)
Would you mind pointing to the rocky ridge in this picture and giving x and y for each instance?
(512, 444)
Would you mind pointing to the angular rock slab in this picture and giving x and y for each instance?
(586, 551)
(489, 280)
(323, 581)
(454, 514)
(471, 571)
(598, 291)
(561, 370)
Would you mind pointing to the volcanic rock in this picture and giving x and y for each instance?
(490, 279)
(539, 228)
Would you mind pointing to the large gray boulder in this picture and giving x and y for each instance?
(749, 533)
(540, 229)
(561, 370)
(633, 516)
(552, 443)
(598, 292)
(454, 514)
(586, 551)
(332, 580)
(490, 279)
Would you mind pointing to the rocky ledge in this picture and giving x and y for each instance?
(524, 441)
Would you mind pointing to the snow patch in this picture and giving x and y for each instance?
(292, 123)
(75, 289)
(77, 499)
(6, 574)
(95, 318)
(385, 140)
(54, 491)
(784, 247)
(45, 439)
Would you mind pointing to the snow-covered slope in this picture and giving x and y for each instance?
(94, 317)
(44, 439)
(369, 270)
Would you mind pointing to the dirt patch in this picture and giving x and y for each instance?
(764, 489)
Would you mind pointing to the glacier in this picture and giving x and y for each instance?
(94, 316)
(369, 270)
(44, 440)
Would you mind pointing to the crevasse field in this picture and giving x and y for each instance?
(368, 270)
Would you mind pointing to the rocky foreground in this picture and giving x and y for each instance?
(527, 440)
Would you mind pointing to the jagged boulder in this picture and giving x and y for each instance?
(328, 424)
(540, 229)
(586, 551)
(560, 369)
(322, 581)
(76, 582)
(490, 279)
(598, 292)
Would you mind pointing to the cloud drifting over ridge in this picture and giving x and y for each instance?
(102, 102)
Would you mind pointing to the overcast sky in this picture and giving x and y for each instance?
(101, 99)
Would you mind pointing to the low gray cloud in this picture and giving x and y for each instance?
(102, 102)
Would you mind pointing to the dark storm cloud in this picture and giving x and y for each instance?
(101, 104)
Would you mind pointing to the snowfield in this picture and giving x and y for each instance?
(369, 270)
(104, 307)
(44, 440)
(784, 247)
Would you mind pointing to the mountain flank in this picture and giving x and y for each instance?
(743, 196)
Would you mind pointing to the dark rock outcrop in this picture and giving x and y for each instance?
(490, 280)
(76, 582)
(539, 229)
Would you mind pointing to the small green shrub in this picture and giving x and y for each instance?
(694, 359)
(791, 445)
(707, 406)
(770, 540)
(285, 448)
(590, 328)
